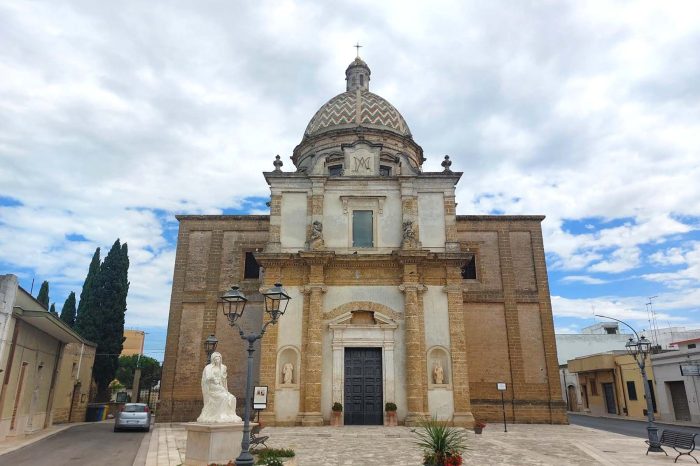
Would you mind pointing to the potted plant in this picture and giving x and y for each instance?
(337, 414)
(442, 445)
(390, 414)
(479, 426)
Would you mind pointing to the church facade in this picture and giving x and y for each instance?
(395, 297)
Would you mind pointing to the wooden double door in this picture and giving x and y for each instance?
(363, 386)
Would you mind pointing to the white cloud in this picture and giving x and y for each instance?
(583, 279)
(117, 116)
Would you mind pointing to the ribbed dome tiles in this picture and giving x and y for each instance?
(357, 108)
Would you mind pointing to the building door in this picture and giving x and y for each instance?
(363, 386)
(679, 400)
(571, 395)
(609, 398)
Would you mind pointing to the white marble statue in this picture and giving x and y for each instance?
(438, 373)
(219, 404)
(287, 373)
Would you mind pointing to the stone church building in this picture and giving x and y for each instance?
(395, 297)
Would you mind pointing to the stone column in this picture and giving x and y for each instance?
(268, 349)
(458, 348)
(416, 372)
(313, 341)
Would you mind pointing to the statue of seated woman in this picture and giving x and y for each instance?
(219, 404)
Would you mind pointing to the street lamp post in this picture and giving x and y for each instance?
(233, 304)
(210, 346)
(639, 349)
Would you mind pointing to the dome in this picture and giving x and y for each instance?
(357, 107)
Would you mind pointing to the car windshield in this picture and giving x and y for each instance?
(135, 408)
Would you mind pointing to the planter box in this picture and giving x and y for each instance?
(390, 419)
(336, 418)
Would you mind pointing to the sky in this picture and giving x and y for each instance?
(116, 116)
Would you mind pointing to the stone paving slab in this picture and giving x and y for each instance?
(394, 446)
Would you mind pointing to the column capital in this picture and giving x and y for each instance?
(307, 289)
(404, 287)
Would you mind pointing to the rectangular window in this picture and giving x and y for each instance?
(384, 170)
(631, 391)
(335, 170)
(469, 269)
(362, 229)
(691, 345)
(651, 391)
(252, 268)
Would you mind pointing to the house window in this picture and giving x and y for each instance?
(252, 268)
(469, 269)
(384, 170)
(691, 345)
(335, 170)
(362, 229)
(631, 391)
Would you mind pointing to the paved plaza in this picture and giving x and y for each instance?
(387, 446)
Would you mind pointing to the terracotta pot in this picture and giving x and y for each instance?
(478, 430)
(336, 418)
(390, 419)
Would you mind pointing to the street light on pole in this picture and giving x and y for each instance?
(639, 349)
(210, 346)
(233, 304)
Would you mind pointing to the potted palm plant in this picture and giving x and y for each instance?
(337, 414)
(442, 445)
(390, 414)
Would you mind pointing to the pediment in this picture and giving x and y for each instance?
(346, 318)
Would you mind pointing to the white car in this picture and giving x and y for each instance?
(133, 416)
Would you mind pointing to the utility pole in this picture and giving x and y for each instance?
(137, 380)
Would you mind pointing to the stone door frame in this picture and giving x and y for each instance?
(379, 335)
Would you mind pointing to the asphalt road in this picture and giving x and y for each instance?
(629, 427)
(87, 444)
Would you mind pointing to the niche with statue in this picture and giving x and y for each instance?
(288, 363)
(439, 368)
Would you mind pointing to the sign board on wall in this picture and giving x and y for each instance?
(690, 369)
(501, 386)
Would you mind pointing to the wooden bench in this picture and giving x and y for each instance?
(677, 439)
(256, 439)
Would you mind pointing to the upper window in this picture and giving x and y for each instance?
(335, 170)
(384, 170)
(252, 268)
(469, 269)
(362, 228)
(691, 345)
(631, 390)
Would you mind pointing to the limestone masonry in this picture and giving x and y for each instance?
(395, 298)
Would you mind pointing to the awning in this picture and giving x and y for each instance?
(50, 324)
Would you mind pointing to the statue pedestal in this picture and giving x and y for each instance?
(213, 443)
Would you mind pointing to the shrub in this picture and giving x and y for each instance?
(337, 407)
(441, 444)
(390, 406)
(274, 452)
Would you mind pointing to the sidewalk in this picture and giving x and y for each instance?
(13, 444)
(523, 444)
(627, 418)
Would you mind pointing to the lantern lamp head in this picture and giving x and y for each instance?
(276, 301)
(210, 344)
(233, 304)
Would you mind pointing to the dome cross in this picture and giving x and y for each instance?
(358, 46)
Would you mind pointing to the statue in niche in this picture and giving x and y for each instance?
(316, 241)
(288, 373)
(219, 404)
(409, 235)
(438, 374)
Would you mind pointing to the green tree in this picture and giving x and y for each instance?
(86, 318)
(101, 312)
(68, 310)
(150, 370)
(52, 309)
(43, 296)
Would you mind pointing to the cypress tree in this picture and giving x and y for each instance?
(112, 293)
(86, 318)
(52, 310)
(43, 296)
(68, 310)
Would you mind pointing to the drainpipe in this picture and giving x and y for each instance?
(48, 420)
(80, 361)
(622, 389)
